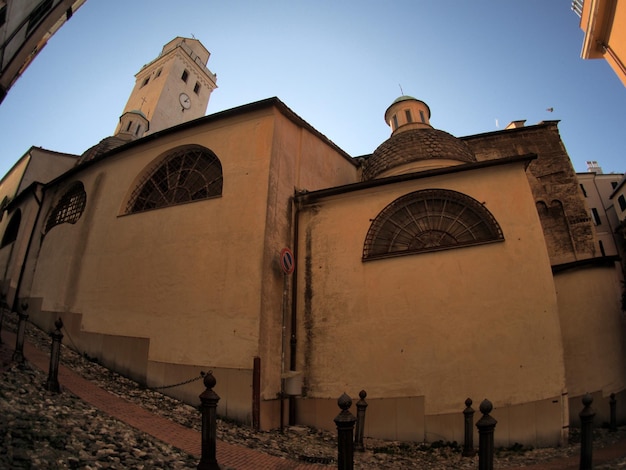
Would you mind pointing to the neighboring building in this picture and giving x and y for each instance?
(25, 28)
(597, 189)
(434, 269)
(604, 24)
(618, 198)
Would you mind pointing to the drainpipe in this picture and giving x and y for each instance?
(293, 342)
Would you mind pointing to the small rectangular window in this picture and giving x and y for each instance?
(622, 202)
(583, 190)
(145, 82)
(158, 73)
(422, 116)
(395, 122)
(409, 118)
(184, 76)
(196, 89)
(596, 216)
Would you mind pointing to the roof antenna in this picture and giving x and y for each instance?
(401, 91)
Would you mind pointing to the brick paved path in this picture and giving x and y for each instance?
(188, 440)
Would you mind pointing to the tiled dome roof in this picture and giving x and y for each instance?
(105, 145)
(415, 145)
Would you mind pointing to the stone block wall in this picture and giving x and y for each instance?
(561, 206)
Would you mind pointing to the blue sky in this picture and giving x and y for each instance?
(338, 64)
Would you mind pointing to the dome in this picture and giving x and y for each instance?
(415, 145)
(105, 145)
(413, 139)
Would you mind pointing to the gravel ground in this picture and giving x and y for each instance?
(41, 430)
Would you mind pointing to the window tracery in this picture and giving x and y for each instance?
(187, 174)
(69, 208)
(429, 220)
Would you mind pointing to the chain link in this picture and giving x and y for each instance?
(202, 374)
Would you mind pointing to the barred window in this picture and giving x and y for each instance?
(429, 220)
(69, 208)
(187, 174)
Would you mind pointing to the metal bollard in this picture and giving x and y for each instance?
(586, 433)
(613, 405)
(209, 399)
(361, 406)
(18, 354)
(52, 384)
(486, 426)
(468, 415)
(345, 428)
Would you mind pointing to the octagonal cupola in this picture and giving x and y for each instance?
(407, 113)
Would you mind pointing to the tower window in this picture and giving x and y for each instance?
(184, 76)
(69, 208)
(196, 89)
(138, 129)
(158, 73)
(409, 118)
(187, 174)
(395, 122)
(422, 116)
(145, 82)
(429, 220)
(130, 123)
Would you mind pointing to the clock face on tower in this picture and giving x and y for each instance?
(185, 101)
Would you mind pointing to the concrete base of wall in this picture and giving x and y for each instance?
(539, 424)
(601, 405)
(234, 386)
(129, 356)
(399, 418)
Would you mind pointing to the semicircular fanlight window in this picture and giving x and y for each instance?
(429, 220)
(187, 174)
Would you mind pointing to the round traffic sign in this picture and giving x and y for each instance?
(287, 262)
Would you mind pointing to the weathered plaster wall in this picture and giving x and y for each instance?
(479, 321)
(200, 283)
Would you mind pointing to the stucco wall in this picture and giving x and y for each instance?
(478, 321)
(200, 283)
(594, 329)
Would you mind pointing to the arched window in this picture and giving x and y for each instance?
(429, 220)
(13, 227)
(187, 174)
(69, 208)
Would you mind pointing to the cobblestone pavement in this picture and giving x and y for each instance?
(41, 430)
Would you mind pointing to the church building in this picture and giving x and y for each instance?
(434, 269)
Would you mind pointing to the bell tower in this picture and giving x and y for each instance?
(173, 88)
